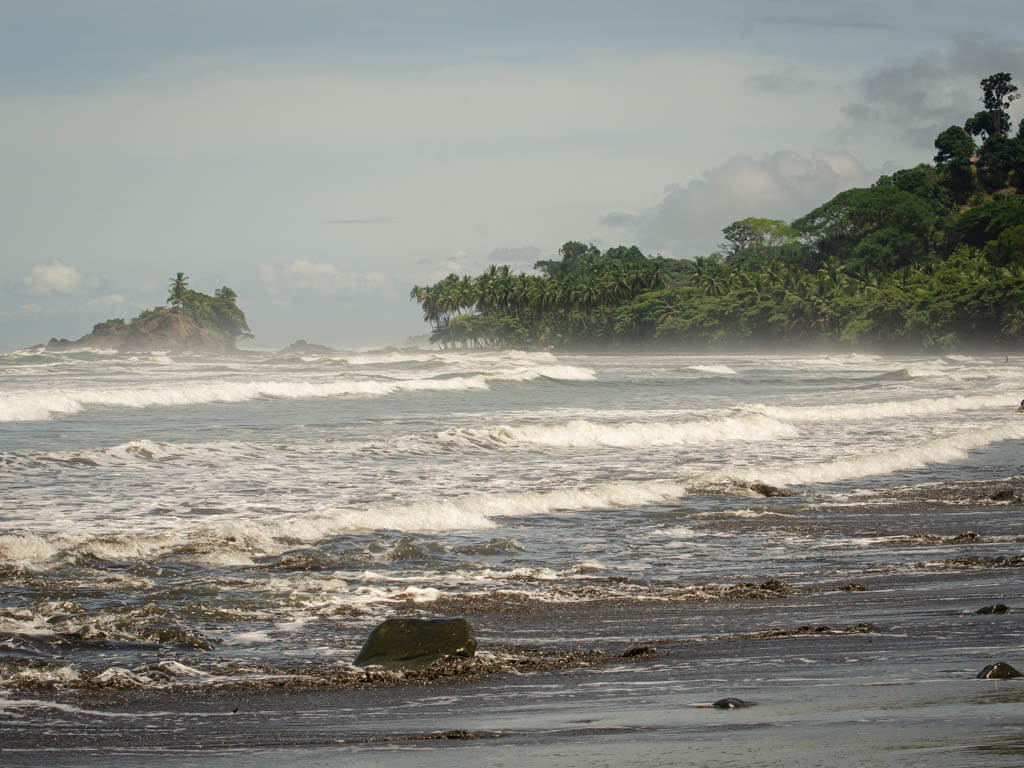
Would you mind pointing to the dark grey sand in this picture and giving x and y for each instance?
(880, 677)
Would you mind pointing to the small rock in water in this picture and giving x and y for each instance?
(966, 536)
(998, 671)
(988, 609)
(415, 643)
(776, 585)
(640, 652)
(768, 490)
(458, 734)
(732, 703)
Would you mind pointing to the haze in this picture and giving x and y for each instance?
(321, 158)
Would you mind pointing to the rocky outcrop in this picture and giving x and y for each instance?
(158, 329)
(763, 489)
(416, 643)
(640, 652)
(302, 347)
(999, 671)
(732, 703)
(991, 609)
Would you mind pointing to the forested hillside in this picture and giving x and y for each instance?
(929, 257)
(194, 321)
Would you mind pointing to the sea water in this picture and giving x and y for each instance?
(178, 522)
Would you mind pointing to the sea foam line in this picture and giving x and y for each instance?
(941, 450)
(28, 406)
(885, 410)
(588, 434)
(479, 511)
(38, 406)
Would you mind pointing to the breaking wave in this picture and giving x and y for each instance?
(883, 410)
(272, 535)
(719, 370)
(38, 406)
(587, 434)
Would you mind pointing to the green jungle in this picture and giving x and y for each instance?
(930, 257)
(191, 313)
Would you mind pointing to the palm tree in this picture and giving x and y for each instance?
(200, 308)
(179, 287)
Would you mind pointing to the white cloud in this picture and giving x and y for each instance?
(689, 219)
(309, 275)
(461, 262)
(458, 263)
(913, 100)
(55, 277)
(203, 106)
(324, 278)
(113, 302)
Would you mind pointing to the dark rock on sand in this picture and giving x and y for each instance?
(732, 703)
(457, 735)
(989, 609)
(301, 559)
(748, 590)
(640, 652)
(806, 629)
(775, 585)
(415, 643)
(998, 671)
(1003, 494)
(999, 561)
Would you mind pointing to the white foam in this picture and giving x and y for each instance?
(274, 533)
(25, 549)
(42, 404)
(556, 372)
(676, 532)
(741, 513)
(720, 370)
(420, 594)
(942, 450)
(35, 406)
(885, 410)
(587, 434)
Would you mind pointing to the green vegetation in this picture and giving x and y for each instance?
(218, 314)
(929, 257)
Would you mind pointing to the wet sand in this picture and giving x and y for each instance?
(880, 677)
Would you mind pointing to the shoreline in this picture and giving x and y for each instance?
(895, 668)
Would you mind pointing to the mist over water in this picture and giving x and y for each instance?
(178, 523)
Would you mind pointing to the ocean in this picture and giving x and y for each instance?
(194, 549)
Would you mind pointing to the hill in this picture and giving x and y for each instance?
(195, 322)
(930, 257)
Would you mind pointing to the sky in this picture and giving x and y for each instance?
(322, 157)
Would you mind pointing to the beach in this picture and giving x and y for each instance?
(194, 551)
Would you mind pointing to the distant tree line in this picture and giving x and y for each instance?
(928, 257)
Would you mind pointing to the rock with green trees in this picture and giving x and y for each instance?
(930, 257)
(194, 322)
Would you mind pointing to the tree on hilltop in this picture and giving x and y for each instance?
(997, 92)
(179, 289)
